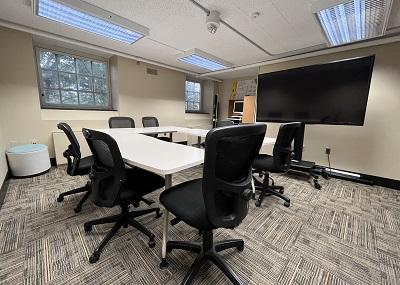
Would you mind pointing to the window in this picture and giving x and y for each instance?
(193, 96)
(71, 82)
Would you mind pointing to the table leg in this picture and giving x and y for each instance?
(253, 187)
(170, 136)
(164, 262)
(199, 141)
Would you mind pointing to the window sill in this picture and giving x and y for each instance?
(197, 112)
(77, 109)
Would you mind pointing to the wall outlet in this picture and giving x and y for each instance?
(327, 150)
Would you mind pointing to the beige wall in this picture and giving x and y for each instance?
(3, 161)
(135, 94)
(373, 148)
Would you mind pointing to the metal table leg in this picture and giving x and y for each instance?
(164, 262)
(199, 141)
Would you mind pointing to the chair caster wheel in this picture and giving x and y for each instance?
(281, 191)
(240, 248)
(87, 228)
(169, 249)
(78, 209)
(286, 204)
(164, 263)
(125, 226)
(94, 258)
(158, 214)
(152, 242)
(258, 203)
(60, 199)
(317, 185)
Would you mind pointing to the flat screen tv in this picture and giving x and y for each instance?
(335, 93)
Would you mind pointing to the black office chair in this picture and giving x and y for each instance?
(76, 165)
(121, 122)
(220, 198)
(114, 185)
(219, 124)
(224, 123)
(149, 122)
(279, 162)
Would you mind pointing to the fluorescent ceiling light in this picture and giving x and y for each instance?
(354, 20)
(204, 60)
(87, 17)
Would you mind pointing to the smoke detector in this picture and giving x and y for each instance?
(213, 21)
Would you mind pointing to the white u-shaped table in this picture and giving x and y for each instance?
(160, 157)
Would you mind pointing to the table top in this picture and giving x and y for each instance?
(156, 155)
(169, 129)
(146, 131)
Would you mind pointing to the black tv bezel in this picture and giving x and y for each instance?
(318, 122)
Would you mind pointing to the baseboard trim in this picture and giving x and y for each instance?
(366, 179)
(4, 187)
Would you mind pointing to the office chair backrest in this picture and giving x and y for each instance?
(224, 123)
(73, 150)
(229, 154)
(149, 122)
(283, 151)
(121, 122)
(108, 171)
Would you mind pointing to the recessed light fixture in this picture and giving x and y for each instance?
(354, 20)
(90, 18)
(202, 59)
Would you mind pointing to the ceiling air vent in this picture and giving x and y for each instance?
(354, 20)
(152, 71)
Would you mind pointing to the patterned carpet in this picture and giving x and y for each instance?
(346, 233)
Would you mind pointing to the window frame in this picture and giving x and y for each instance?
(200, 111)
(44, 105)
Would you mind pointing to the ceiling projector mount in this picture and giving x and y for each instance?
(213, 21)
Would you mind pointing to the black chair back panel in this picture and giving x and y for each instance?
(121, 122)
(229, 154)
(108, 172)
(283, 150)
(149, 122)
(74, 149)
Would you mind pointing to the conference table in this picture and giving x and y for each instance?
(160, 157)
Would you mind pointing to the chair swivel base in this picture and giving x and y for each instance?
(268, 190)
(207, 251)
(85, 189)
(122, 220)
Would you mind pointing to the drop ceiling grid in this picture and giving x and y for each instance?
(181, 25)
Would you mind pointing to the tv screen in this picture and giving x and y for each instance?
(334, 93)
(238, 107)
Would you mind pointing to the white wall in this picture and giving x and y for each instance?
(373, 148)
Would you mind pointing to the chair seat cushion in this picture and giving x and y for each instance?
(85, 165)
(139, 182)
(266, 163)
(186, 202)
